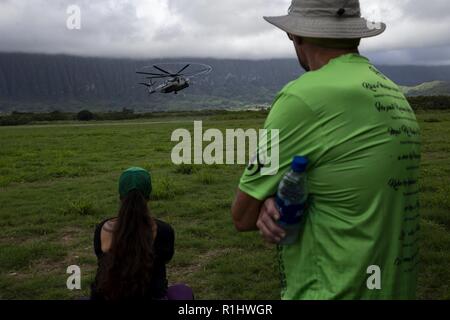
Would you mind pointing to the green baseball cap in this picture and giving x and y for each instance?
(135, 179)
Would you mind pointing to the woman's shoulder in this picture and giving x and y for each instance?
(106, 224)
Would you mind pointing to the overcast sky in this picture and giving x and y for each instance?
(418, 30)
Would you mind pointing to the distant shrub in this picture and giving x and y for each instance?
(81, 207)
(127, 111)
(125, 114)
(430, 102)
(160, 149)
(164, 190)
(23, 118)
(185, 169)
(16, 119)
(85, 115)
(57, 116)
(432, 120)
(206, 178)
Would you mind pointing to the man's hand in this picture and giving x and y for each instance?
(267, 222)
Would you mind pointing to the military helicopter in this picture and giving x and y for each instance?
(173, 82)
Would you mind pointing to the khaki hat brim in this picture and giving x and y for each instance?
(327, 27)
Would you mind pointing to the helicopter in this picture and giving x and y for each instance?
(173, 82)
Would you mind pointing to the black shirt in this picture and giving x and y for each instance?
(163, 250)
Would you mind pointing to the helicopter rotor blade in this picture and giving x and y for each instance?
(159, 77)
(203, 72)
(149, 85)
(184, 68)
(150, 73)
(162, 70)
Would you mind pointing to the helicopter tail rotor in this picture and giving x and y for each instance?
(150, 86)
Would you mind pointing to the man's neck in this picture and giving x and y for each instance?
(321, 58)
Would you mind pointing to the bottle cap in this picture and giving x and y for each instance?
(299, 164)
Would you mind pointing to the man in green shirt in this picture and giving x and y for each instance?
(359, 236)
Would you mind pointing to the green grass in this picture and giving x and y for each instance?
(58, 182)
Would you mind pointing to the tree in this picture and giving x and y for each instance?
(85, 115)
(127, 111)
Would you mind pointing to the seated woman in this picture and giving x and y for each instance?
(134, 248)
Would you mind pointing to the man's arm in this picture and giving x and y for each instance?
(250, 214)
(245, 212)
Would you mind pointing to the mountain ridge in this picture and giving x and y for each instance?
(432, 88)
(37, 82)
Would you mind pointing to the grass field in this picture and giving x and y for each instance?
(58, 181)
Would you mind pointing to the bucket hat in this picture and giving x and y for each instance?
(331, 19)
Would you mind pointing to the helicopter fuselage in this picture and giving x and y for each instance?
(172, 81)
(174, 85)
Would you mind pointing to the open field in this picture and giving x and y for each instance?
(58, 181)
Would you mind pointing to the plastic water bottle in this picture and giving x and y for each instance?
(291, 199)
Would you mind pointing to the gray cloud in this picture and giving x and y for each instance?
(417, 30)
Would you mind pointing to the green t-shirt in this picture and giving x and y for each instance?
(363, 142)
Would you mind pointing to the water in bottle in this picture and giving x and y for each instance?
(291, 199)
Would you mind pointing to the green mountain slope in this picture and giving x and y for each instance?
(433, 88)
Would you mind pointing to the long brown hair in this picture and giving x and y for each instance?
(125, 272)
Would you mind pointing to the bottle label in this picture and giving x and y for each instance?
(290, 214)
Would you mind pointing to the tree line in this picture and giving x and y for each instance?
(22, 118)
